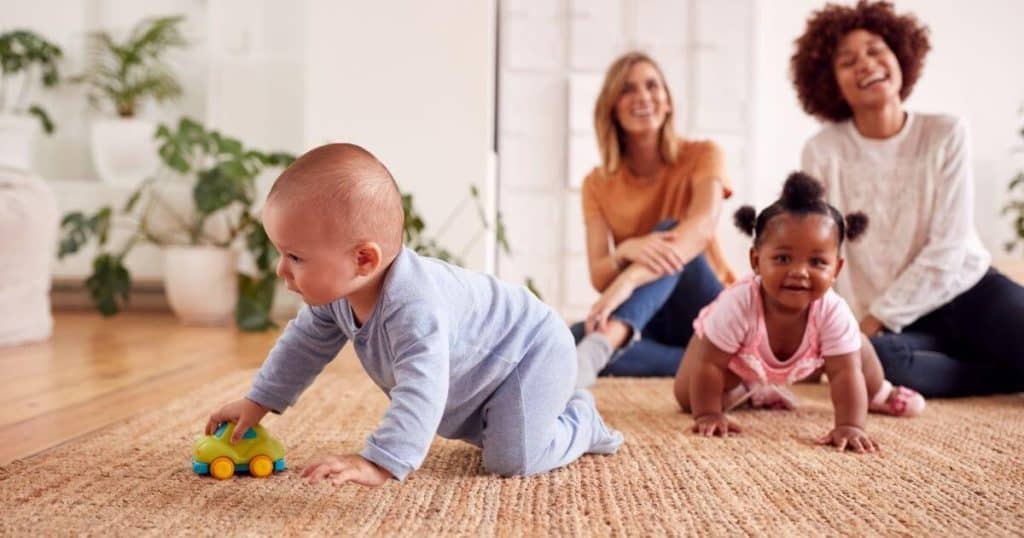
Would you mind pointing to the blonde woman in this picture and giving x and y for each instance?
(650, 211)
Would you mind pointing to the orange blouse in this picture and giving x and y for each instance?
(631, 206)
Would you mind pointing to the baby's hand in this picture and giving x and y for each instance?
(245, 413)
(852, 437)
(714, 424)
(346, 468)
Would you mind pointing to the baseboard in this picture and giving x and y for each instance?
(148, 295)
(67, 294)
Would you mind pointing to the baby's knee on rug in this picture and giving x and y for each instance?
(514, 458)
(504, 462)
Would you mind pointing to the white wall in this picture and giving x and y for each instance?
(973, 71)
(413, 82)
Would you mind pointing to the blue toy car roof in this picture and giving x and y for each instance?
(249, 434)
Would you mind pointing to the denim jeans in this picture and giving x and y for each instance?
(661, 314)
(972, 345)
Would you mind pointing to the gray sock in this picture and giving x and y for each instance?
(592, 353)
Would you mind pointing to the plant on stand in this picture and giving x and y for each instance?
(220, 176)
(122, 76)
(26, 60)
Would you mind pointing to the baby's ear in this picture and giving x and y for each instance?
(369, 258)
(754, 259)
(839, 267)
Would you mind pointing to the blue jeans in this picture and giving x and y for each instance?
(972, 345)
(661, 313)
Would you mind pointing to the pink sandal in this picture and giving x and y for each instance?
(897, 401)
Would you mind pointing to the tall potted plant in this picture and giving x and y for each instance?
(122, 76)
(199, 243)
(27, 61)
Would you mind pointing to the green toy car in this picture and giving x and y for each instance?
(257, 453)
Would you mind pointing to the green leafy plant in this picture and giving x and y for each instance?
(25, 58)
(223, 176)
(1015, 207)
(129, 72)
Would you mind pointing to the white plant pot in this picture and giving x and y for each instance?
(18, 134)
(201, 284)
(124, 151)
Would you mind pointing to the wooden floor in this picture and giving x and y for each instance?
(95, 372)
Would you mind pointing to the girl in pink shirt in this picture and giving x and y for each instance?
(787, 309)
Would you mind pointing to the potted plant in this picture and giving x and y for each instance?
(200, 241)
(26, 59)
(122, 76)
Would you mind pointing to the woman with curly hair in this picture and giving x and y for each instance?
(942, 320)
(650, 210)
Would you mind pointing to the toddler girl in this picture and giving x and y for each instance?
(784, 322)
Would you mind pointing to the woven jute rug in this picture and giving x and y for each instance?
(958, 470)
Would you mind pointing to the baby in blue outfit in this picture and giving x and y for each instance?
(460, 354)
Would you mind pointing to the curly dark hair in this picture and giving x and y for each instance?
(801, 195)
(811, 66)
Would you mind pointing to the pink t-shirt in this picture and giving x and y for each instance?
(734, 323)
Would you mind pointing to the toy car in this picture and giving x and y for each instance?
(257, 453)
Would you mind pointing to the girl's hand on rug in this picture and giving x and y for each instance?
(613, 296)
(346, 468)
(851, 437)
(244, 412)
(715, 424)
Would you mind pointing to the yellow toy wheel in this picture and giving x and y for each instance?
(261, 466)
(222, 468)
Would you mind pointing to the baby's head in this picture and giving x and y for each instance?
(335, 216)
(797, 240)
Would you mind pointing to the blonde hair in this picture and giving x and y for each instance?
(610, 136)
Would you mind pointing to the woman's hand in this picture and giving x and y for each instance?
(346, 468)
(613, 296)
(870, 325)
(852, 437)
(713, 424)
(656, 250)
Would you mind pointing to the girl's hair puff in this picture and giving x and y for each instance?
(801, 195)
